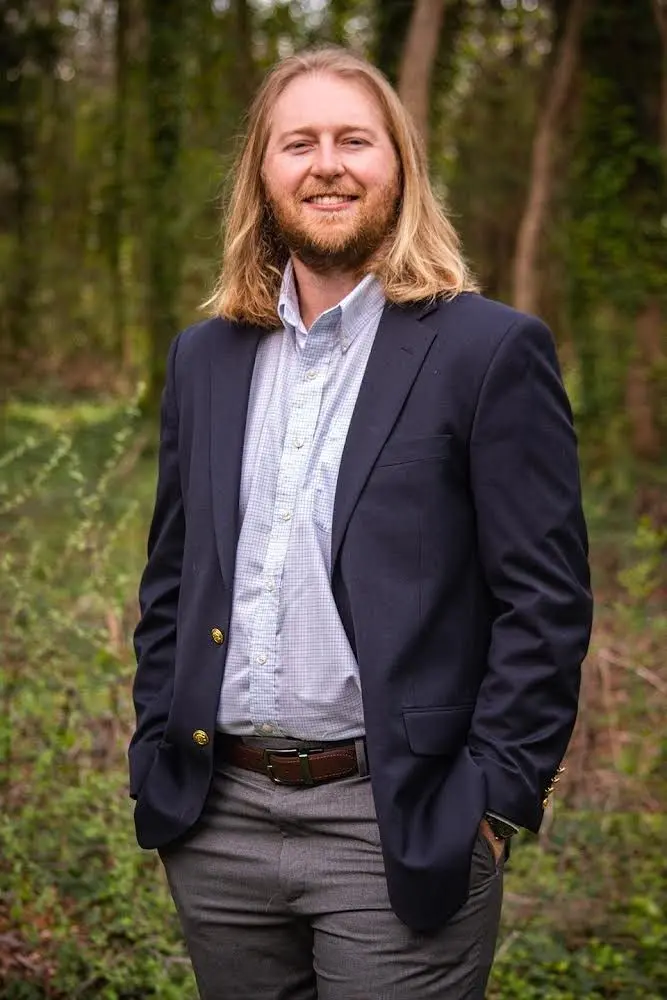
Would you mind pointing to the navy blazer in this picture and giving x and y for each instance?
(459, 569)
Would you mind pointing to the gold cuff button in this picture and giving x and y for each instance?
(218, 636)
(200, 737)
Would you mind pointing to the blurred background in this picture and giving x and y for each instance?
(546, 124)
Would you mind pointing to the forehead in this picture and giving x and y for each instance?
(321, 101)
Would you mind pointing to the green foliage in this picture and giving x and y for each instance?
(618, 241)
(614, 228)
(72, 881)
(84, 896)
(643, 577)
(593, 922)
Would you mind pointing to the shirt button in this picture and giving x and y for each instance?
(299, 442)
(270, 586)
(262, 658)
(310, 375)
(286, 515)
(266, 727)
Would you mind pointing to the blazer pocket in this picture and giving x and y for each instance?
(403, 450)
(437, 732)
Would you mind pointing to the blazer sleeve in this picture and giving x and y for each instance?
(534, 553)
(155, 635)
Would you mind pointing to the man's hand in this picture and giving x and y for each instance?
(497, 846)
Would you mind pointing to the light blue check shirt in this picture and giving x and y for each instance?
(290, 670)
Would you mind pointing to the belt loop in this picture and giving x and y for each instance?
(304, 762)
(362, 759)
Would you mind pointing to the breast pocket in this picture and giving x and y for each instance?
(401, 451)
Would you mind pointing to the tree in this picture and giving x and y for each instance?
(486, 105)
(165, 20)
(660, 14)
(526, 279)
(392, 21)
(418, 59)
(29, 50)
(244, 75)
(617, 237)
(118, 187)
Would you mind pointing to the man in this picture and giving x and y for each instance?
(366, 600)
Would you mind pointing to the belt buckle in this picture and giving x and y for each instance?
(304, 761)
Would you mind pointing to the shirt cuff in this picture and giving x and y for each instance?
(503, 819)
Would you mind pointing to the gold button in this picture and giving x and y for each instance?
(218, 636)
(200, 737)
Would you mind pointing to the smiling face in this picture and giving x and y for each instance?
(330, 172)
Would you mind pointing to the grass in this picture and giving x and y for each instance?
(84, 914)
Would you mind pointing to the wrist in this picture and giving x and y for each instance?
(501, 829)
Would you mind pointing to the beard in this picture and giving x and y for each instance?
(332, 243)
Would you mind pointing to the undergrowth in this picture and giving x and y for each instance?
(85, 914)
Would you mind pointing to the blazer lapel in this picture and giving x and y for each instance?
(231, 373)
(398, 352)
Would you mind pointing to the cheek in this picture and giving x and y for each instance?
(377, 174)
(277, 180)
(287, 178)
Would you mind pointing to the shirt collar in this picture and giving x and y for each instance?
(352, 314)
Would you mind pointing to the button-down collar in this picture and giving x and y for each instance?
(348, 317)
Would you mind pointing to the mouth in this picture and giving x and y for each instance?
(331, 200)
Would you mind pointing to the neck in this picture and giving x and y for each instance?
(319, 292)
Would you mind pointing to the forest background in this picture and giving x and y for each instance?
(546, 125)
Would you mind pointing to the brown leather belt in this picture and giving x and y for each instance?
(295, 766)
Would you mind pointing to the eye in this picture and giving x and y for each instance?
(298, 147)
(355, 141)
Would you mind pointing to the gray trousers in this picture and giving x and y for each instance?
(282, 895)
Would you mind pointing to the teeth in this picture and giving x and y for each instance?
(331, 199)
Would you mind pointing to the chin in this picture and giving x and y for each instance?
(334, 248)
(331, 237)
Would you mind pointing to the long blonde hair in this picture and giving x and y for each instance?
(423, 260)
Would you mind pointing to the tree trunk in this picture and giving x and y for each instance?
(392, 24)
(117, 213)
(20, 100)
(526, 280)
(165, 21)
(421, 47)
(643, 398)
(245, 65)
(660, 12)
(22, 285)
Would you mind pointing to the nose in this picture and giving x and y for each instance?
(327, 161)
